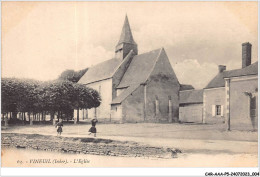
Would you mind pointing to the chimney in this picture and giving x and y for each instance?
(246, 54)
(221, 68)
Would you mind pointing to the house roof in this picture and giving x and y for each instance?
(186, 87)
(100, 71)
(219, 81)
(139, 69)
(191, 96)
(249, 70)
(126, 34)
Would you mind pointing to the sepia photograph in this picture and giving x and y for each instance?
(129, 84)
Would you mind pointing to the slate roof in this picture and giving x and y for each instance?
(126, 34)
(186, 87)
(191, 96)
(218, 80)
(100, 71)
(249, 70)
(139, 69)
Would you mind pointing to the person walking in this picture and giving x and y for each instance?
(59, 126)
(93, 127)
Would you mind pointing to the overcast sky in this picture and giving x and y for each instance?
(42, 39)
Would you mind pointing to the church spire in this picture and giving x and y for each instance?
(126, 41)
(126, 34)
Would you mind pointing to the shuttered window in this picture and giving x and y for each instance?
(222, 110)
(217, 110)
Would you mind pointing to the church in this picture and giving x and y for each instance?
(134, 87)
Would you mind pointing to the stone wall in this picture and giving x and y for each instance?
(240, 104)
(133, 106)
(163, 84)
(105, 89)
(212, 97)
(191, 113)
(95, 146)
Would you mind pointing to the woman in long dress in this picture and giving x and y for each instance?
(93, 128)
(59, 126)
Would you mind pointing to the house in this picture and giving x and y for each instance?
(241, 93)
(191, 106)
(214, 100)
(231, 96)
(134, 87)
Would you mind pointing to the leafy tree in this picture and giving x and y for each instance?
(34, 97)
(85, 98)
(71, 75)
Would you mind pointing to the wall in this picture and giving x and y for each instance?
(191, 113)
(119, 91)
(103, 111)
(215, 96)
(132, 106)
(239, 103)
(162, 83)
(116, 112)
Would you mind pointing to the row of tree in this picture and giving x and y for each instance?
(59, 97)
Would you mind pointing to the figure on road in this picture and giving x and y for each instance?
(59, 126)
(93, 128)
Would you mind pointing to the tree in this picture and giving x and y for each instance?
(18, 96)
(58, 96)
(9, 95)
(85, 98)
(71, 75)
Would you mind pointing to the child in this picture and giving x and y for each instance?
(59, 125)
(93, 128)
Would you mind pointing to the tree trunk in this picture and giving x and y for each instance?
(24, 120)
(30, 119)
(78, 115)
(14, 115)
(58, 116)
(6, 119)
(42, 116)
(53, 117)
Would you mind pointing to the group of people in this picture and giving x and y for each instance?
(93, 128)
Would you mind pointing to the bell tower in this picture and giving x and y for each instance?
(126, 42)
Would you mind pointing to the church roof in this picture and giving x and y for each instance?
(100, 71)
(126, 34)
(219, 81)
(140, 68)
(191, 96)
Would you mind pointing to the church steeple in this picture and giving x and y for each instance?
(126, 42)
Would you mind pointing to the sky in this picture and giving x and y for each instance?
(42, 39)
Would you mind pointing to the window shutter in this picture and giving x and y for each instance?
(213, 110)
(222, 110)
